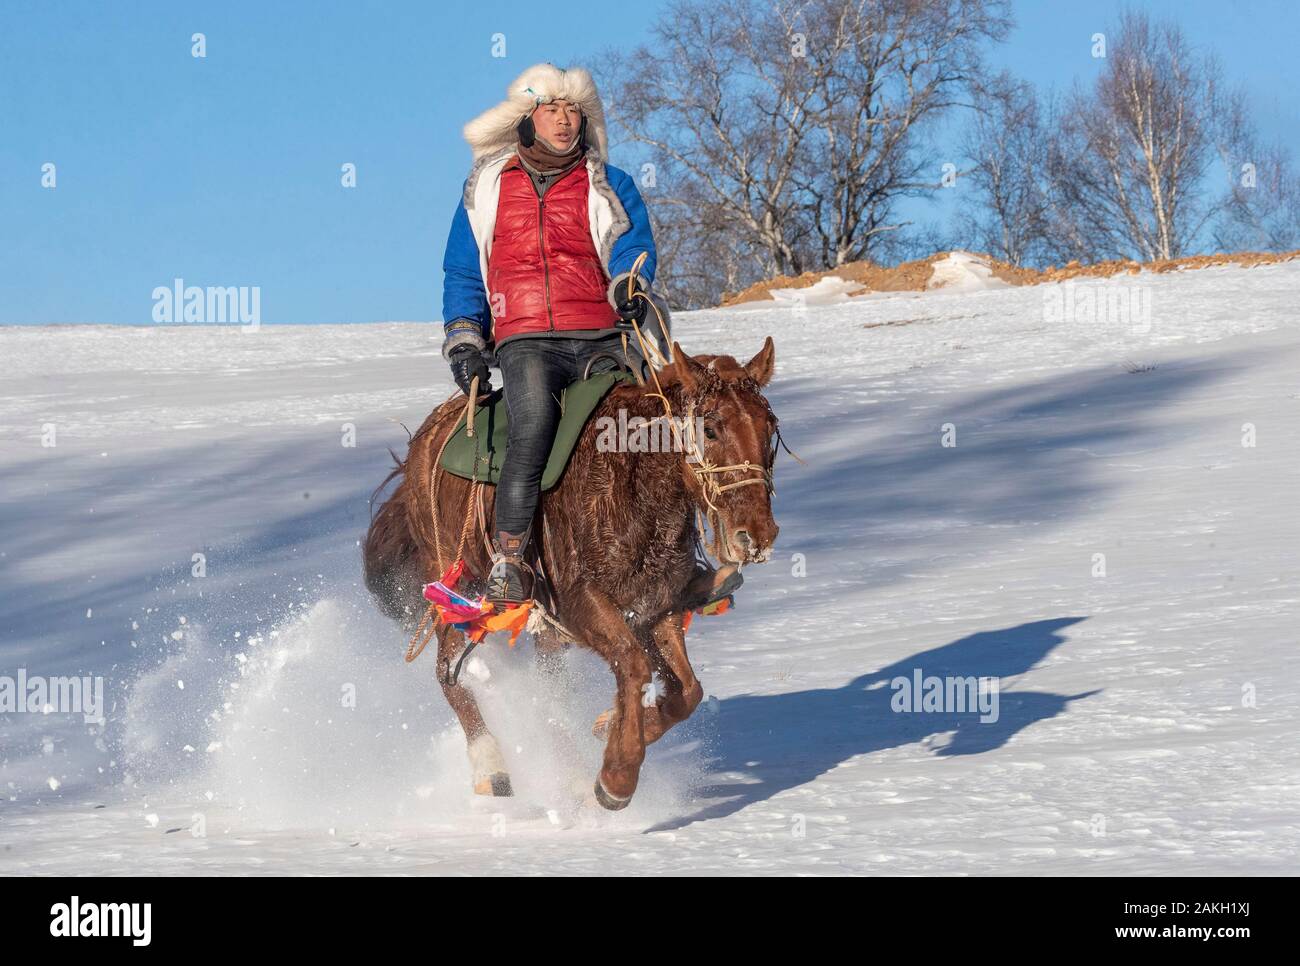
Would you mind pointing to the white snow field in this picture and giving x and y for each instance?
(1113, 537)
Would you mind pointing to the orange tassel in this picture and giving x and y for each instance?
(513, 619)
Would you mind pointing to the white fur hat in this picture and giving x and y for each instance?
(494, 129)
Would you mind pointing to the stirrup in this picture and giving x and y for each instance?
(709, 586)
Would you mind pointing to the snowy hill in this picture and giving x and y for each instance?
(1110, 533)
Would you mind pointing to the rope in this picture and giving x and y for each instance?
(470, 406)
(414, 649)
(427, 628)
(700, 466)
(636, 370)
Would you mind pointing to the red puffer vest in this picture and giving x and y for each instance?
(544, 274)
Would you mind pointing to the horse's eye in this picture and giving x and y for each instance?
(710, 433)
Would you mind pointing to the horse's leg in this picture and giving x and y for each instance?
(607, 633)
(488, 768)
(683, 692)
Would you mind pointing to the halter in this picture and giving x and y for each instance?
(705, 471)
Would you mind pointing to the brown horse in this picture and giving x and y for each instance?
(616, 542)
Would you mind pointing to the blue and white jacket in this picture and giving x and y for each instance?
(620, 229)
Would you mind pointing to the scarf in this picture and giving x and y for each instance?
(544, 159)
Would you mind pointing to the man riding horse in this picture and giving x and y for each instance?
(550, 259)
(539, 270)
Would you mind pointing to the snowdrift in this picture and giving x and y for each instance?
(1081, 491)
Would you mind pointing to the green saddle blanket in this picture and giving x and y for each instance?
(480, 457)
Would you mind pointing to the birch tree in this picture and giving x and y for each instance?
(794, 125)
(1132, 159)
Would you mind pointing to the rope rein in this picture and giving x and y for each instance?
(700, 465)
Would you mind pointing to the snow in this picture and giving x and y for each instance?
(830, 290)
(197, 522)
(963, 272)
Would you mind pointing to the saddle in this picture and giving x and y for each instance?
(480, 457)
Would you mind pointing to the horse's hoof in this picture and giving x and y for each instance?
(497, 786)
(610, 802)
(601, 726)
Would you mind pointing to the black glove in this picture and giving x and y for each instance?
(631, 307)
(466, 363)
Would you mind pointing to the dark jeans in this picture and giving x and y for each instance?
(534, 371)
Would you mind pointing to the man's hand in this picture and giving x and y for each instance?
(630, 306)
(466, 363)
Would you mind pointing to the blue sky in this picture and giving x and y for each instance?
(226, 170)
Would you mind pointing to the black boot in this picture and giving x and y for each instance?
(511, 580)
(709, 586)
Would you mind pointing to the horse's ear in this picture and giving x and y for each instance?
(760, 367)
(688, 370)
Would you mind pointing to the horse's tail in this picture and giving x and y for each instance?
(391, 554)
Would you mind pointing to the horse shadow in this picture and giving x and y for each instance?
(767, 744)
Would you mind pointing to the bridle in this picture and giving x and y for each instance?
(705, 471)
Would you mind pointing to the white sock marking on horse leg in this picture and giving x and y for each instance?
(485, 757)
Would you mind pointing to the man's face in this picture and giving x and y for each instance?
(558, 123)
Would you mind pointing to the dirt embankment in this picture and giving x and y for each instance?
(915, 276)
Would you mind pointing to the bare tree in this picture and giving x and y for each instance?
(703, 254)
(796, 124)
(879, 72)
(717, 101)
(1005, 207)
(1130, 161)
(1264, 211)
